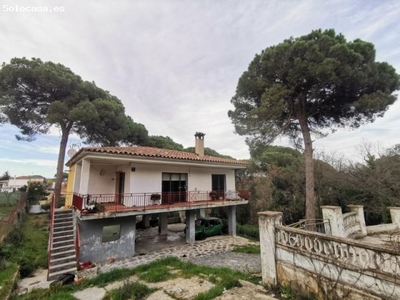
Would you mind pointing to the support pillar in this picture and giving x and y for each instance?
(267, 221)
(232, 220)
(84, 184)
(182, 216)
(359, 209)
(395, 215)
(190, 226)
(202, 212)
(133, 233)
(146, 221)
(335, 217)
(163, 224)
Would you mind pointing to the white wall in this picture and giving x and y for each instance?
(147, 178)
(102, 179)
(17, 183)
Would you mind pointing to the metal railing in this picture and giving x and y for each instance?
(316, 225)
(50, 243)
(146, 201)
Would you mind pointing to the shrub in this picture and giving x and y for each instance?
(249, 231)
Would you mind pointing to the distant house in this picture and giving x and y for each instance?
(17, 182)
(110, 186)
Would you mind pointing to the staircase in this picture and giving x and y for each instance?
(62, 255)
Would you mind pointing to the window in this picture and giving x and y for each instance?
(111, 233)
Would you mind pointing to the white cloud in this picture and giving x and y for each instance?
(175, 64)
(34, 162)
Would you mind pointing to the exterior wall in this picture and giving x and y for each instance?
(92, 247)
(102, 179)
(78, 169)
(70, 185)
(17, 183)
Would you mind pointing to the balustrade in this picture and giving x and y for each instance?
(347, 252)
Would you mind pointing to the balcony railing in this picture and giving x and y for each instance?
(95, 203)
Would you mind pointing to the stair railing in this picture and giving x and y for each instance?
(50, 243)
(77, 244)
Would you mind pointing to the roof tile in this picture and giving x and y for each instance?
(160, 153)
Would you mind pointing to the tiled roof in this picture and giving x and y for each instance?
(158, 153)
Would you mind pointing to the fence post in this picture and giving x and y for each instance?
(335, 217)
(395, 215)
(267, 221)
(359, 209)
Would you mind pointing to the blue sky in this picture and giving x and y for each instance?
(175, 64)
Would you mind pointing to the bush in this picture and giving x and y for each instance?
(248, 231)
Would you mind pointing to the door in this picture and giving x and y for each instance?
(218, 185)
(174, 186)
(120, 187)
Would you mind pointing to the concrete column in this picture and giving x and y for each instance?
(359, 209)
(202, 212)
(232, 220)
(182, 216)
(267, 221)
(84, 184)
(335, 217)
(146, 221)
(163, 224)
(190, 226)
(77, 180)
(133, 233)
(395, 215)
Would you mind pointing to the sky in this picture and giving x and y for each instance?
(175, 64)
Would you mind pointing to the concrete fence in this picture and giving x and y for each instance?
(330, 267)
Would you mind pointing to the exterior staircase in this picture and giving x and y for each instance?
(62, 254)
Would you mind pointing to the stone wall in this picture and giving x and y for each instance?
(329, 267)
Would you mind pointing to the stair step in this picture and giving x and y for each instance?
(63, 224)
(62, 266)
(63, 243)
(61, 254)
(61, 249)
(55, 275)
(63, 216)
(62, 235)
(63, 228)
(61, 238)
(55, 261)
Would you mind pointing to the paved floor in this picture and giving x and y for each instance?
(213, 251)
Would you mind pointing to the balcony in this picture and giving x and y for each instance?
(139, 203)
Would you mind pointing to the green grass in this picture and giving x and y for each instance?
(248, 249)
(7, 202)
(7, 274)
(26, 244)
(159, 270)
(248, 231)
(130, 290)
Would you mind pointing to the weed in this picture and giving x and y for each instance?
(130, 290)
(249, 249)
(7, 279)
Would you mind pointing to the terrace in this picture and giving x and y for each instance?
(93, 206)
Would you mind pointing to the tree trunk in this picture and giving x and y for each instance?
(60, 165)
(309, 168)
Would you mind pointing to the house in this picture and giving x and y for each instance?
(17, 182)
(110, 186)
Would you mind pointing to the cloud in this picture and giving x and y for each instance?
(34, 162)
(175, 64)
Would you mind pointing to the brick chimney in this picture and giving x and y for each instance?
(199, 143)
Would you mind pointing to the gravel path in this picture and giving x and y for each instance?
(214, 251)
